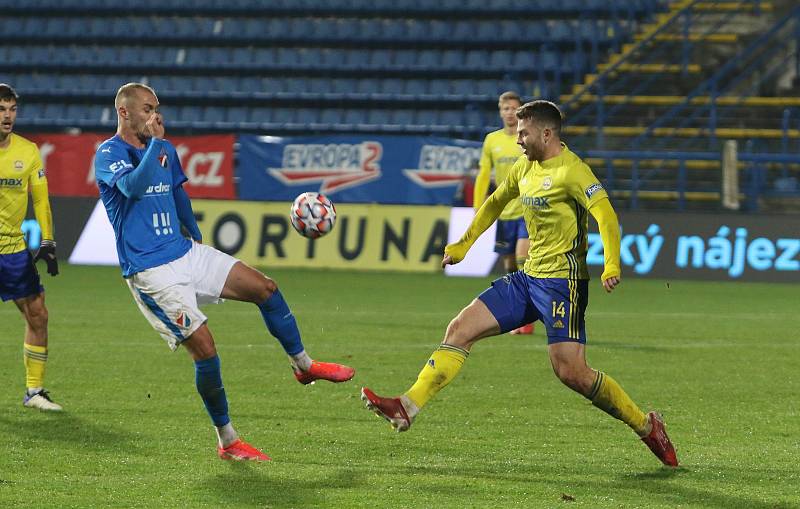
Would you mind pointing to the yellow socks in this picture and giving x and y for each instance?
(607, 395)
(34, 357)
(441, 368)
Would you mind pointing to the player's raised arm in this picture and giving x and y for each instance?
(487, 214)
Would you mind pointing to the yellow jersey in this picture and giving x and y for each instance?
(21, 171)
(555, 196)
(500, 151)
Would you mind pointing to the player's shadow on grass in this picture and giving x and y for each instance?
(252, 484)
(65, 429)
(656, 482)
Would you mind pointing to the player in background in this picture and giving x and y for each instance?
(556, 189)
(21, 171)
(500, 151)
(141, 185)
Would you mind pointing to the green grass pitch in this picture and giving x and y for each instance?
(720, 360)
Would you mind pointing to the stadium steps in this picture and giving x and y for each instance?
(650, 80)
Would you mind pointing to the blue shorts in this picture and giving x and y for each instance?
(18, 276)
(518, 299)
(508, 233)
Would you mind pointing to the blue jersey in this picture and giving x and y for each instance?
(147, 229)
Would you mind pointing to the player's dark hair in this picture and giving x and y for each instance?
(543, 112)
(7, 93)
(509, 96)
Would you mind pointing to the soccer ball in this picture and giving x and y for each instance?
(313, 215)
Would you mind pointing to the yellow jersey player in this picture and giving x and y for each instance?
(21, 171)
(500, 151)
(557, 190)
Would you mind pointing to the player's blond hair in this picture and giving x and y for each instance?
(509, 96)
(128, 90)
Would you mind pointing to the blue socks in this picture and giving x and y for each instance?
(209, 384)
(281, 323)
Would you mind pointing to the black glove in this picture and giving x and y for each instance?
(47, 252)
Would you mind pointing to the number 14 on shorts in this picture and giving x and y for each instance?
(164, 226)
(558, 309)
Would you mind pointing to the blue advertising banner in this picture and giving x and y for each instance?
(355, 169)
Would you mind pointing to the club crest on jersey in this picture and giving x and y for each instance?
(163, 159)
(547, 183)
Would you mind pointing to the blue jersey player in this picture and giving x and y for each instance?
(141, 185)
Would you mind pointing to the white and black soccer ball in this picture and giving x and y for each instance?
(313, 215)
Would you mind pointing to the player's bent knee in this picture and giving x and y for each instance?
(200, 344)
(456, 334)
(266, 288)
(573, 378)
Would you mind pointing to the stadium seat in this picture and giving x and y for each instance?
(402, 117)
(378, 117)
(416, 87)
(439, 88)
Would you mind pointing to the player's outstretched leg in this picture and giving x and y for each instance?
(282, 324)
(208, 379)
(658, 441)
(440, 369)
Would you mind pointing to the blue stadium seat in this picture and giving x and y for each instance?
(380, 58)
(463, 30)
(356, 59)
(525, 60)
(190, 114)
(463, 87)
(331, 58)
(379, 117)
(402, 117)
(426, 117)
(440, 31)
(439, 87)
(297, 85)
(452, 59)
(405, 58)
(428, 59)
(355, 117)
(283, 115)
(391, 86)
(259, 115)
(416, 87)
(264, 58)
(367, 86)
(343, 85)
(562, 31)
(477, 60)
(501, 60)
(331, 116)
(487, 87)
(273, 86)
(451, 118)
